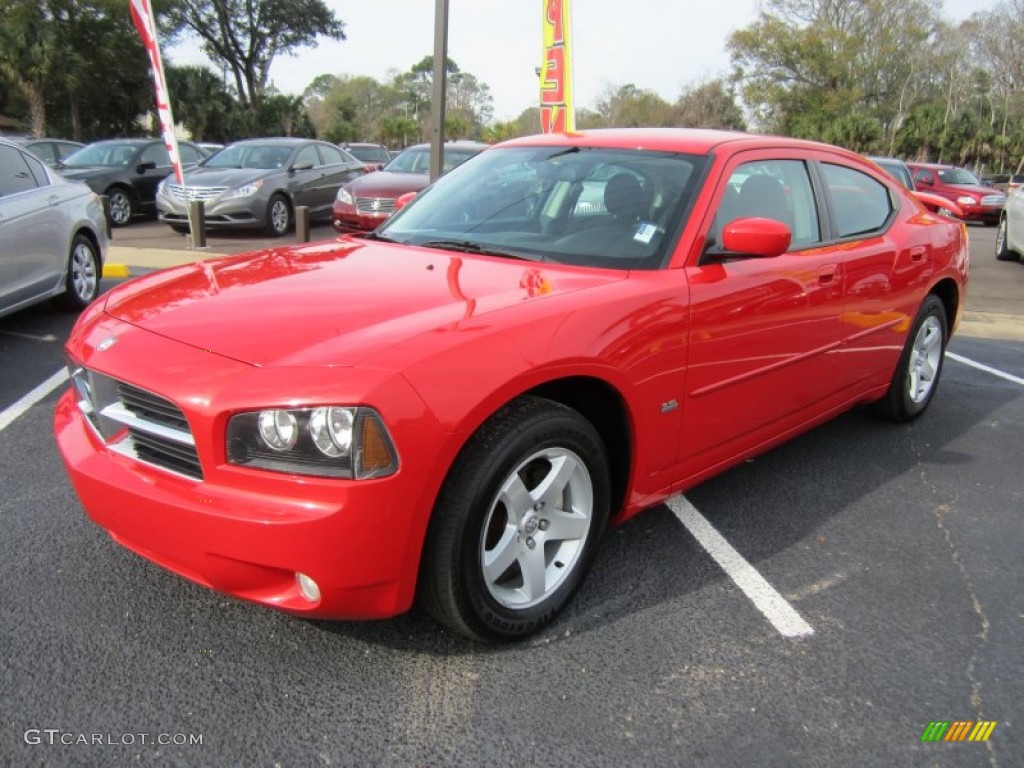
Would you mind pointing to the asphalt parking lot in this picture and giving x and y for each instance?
(891, 598)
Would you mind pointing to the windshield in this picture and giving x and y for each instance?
(958, 176)
(417, 159)
(613, 208)
(369, 154)
(110, 154)
(260, 156)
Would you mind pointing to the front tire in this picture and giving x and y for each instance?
(122, 207)
(517, 522)
(82, 284)
(279, 216)
(1003, 252)
(917, 375)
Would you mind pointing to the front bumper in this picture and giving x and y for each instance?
(985, 214)
(346, 218)
(246, 532)
(241, 213)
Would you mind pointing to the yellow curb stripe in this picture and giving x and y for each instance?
(116, 270)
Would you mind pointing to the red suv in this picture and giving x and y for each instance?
(976, 201)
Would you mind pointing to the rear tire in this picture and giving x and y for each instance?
(517, 522)
(917, 375)
(1003, 252)
(82, 283)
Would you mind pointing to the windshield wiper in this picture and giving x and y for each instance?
(375, 236)
(470, 247)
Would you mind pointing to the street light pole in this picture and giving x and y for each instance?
(437, 110)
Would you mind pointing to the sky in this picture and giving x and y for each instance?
(660, 45)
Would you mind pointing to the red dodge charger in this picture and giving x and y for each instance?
(558, 334)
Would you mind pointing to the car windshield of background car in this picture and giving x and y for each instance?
(596, 207)
(102, 154)
(369, 154)
(256, 156)
(958, 176)
(410, 161)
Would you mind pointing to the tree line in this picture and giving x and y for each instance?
(885, 77)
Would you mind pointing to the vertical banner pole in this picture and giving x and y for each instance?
(145, 23)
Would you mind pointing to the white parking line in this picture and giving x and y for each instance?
(763, 595)
(33, 337)
(985, 368)
(17, 409)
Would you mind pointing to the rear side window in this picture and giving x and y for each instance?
(15, 172)
(860, 204)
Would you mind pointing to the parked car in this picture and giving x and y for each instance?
(374, 156)
(896, 168)
(51, 151)
(257, 183)
(976, 201)
(53, 235)
(454, 406)
(364, 203)
(1010, 235)
(127, 171)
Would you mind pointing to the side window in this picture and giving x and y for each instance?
(860, 204)
(45, 152)
(330, 155)
(37, 169)
(923, 175)
(156, 153)
(188, 154)
(771, 189)
(15, 175)
(308, 155)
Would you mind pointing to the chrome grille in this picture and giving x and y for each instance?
(994, 200)
(137, 423)
(375, 205)
(188, 194)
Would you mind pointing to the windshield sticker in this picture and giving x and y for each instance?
(644, 232)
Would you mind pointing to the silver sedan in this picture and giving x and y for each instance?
(1010, 236)
(258, 183)
(53, 235)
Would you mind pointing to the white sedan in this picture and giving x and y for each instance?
(1010, 236)
(53, 235)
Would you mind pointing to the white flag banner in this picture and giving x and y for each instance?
(142, 15)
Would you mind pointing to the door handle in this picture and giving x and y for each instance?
(828, 274)
(917, 253)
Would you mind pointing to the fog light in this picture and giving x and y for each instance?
(308, 587)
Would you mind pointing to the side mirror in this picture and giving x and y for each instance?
(925, 180)
(937, 204)
(760, 238)
(404, 200)
(149, 165)
(301, 167)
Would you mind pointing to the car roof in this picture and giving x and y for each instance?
(937, 166)
(460, 143)
(287, 141)
(695, 140)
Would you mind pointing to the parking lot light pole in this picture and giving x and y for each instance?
(437, 110)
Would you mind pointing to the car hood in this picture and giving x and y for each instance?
(87, 172)
(976, 189)
(387, 184)
(225, 177)
(333, 303)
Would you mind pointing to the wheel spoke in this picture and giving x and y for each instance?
(505, 552)
(549, 490)
(565, 526)
(516, 498)
(534, 573)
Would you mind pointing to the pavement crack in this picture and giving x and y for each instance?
(977, 703)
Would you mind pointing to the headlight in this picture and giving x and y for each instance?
(328, 441)
(245, 190)
(344, 196)
(967, 200)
